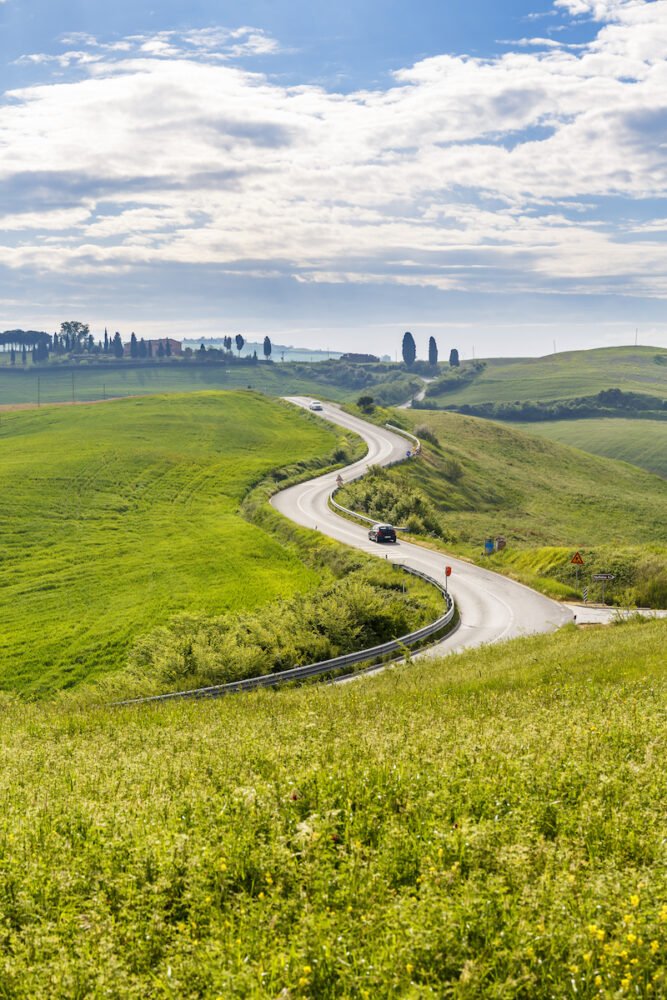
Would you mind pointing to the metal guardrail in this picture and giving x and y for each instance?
(314, 669)
(407, 434)
(352, 513)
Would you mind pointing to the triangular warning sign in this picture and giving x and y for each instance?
(577, 560)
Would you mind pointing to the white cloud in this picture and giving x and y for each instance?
(465, 173)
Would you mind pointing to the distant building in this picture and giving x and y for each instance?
(358, 358)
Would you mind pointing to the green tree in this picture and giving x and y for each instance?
(160, 349)
(366, 404)
(143, 350)
(134, 347)
(167, 348)
(117, 345)
(409, 349)
(76, 332)
(432, 352)
(267, 348)
(454, 358)
(240, 341)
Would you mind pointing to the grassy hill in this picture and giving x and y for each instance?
(117, 516)
(642, 442)
(557, 376)
(478, 479)
(332, 379)
(491, 825)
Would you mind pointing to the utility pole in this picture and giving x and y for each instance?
(636, 335)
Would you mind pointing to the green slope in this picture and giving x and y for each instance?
(116, 516)
(490, 825)
(330, 379)
(564, 376)
(642, 442)
(485, 479)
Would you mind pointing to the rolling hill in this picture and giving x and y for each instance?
(641, 442)
(479, 479)
(562, 376)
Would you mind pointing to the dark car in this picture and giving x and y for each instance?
(382, 533)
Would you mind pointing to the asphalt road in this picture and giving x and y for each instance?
(491, 607)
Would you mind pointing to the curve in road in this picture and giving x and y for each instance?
(491, 607)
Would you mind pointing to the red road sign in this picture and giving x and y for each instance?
(577, 560)
(448, 570)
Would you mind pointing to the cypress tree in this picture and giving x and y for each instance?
(409, 349)
(432, 352)
(454, 358)
(267, 348)
(134, 347)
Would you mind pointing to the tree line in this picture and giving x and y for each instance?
(409, 352)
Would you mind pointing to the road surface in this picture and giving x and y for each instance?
(491, 607)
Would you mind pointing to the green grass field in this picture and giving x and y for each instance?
(332, 380)
(484, 479)
(116, 516)
(641, 442)
(55, 384)
(491, 825)
(565, 376)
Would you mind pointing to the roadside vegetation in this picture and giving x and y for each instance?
(491, 825)
(477, 479)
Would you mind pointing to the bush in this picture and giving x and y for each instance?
(426, 433)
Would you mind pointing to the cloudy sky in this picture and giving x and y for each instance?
(492, 173)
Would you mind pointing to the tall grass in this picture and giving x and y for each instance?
(491, 825)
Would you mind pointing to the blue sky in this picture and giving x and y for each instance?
(493, 174)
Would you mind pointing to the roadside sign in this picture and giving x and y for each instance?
(577, 560)
(603, 577)
(585, 594)
(448, 570)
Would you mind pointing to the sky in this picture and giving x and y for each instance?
(492, 174)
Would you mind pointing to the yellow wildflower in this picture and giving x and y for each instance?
(307, 970)
(654, 947)
(634, 901)
(409, 969)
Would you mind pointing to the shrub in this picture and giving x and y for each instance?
(427, 433)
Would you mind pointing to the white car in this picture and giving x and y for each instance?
(316, 405)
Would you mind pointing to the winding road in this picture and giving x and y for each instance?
(491, 607)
